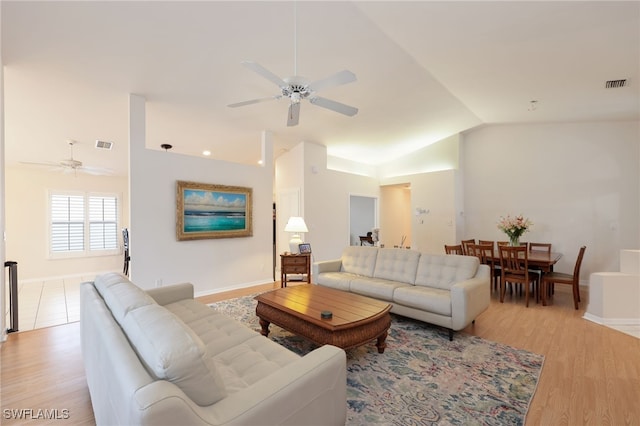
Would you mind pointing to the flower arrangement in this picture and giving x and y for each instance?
(514, 227)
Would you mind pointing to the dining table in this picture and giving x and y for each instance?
(538, 259)
(541, 259)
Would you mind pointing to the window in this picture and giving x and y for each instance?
(71, 215)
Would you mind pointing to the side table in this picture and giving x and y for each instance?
(294, 264)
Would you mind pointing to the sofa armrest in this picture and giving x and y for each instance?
(470, 298)
(172, 293)
(326, 266)
(309, 391)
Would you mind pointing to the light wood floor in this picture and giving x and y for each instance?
(591, 374)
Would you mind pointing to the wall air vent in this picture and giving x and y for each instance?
(104, 145)
(615, 83)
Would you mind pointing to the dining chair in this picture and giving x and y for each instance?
(539, 248)
(465, 242)
(545, 247)
(485, 242)
(127, 257)
(514, 262)
(562, 278)
(485, 253)
(454, 249)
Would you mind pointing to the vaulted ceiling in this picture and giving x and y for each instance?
(425, 71)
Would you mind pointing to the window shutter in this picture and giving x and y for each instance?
(103, 223)
(67, 223)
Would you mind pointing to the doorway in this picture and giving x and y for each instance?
(363, 217)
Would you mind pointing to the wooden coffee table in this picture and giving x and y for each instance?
(355, 319)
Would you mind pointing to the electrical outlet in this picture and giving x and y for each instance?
(159, 282)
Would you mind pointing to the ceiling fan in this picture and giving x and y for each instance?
(297, 88)
(71, 165)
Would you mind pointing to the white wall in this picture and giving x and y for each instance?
(434, 180)
(211, 265)
(435, 192)
(289, 178)
(326, 196)
(578, 182)
(26, 195)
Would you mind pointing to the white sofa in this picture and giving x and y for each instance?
(162, 358)
(445, 290)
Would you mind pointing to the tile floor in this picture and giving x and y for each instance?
(46, 303)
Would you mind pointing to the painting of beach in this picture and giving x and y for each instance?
(213, 211)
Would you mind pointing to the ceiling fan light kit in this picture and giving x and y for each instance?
(297, 88)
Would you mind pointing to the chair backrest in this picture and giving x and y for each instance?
(453, 249)
(486, 242)
(464, 244)
(484, 252)
(546, 247)
(576, 269)
(125, 238)
(502, 243)
(514, 259)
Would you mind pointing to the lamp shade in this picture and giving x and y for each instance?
(296, 224)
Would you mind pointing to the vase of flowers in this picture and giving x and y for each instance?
(514, 227)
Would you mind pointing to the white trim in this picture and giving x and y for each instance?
(232, 287)
(612, 321)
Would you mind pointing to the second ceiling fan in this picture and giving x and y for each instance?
(297, 88)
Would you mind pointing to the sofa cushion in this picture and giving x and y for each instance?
(171, 351)
(376, 288)
(245, 364)
(442, 271)
(121, 295)
(337, 280)
(427, 299)
(217, 331)
(397, 265)
(359, 260)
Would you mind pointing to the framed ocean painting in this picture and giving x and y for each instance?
(212, 211)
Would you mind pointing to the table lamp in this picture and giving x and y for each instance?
(295, 225)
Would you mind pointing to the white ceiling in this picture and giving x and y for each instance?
(425, 70)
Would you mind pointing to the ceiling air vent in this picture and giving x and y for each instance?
(104, 145)
(615, 83)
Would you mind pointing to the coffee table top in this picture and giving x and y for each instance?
(309, 300)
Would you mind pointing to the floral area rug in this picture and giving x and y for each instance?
(422, 378)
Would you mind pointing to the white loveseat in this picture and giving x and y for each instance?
(162, 358)
(445, 290)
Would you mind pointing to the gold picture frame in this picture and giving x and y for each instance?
(206, 211)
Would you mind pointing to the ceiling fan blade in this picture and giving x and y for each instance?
(98, 171)
(254, 101)
(294, 114)
(259, 69)
(47, 164)
(337, 79)
(334, 106)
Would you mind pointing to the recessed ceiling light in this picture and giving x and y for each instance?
(259, 161)
(206, 152)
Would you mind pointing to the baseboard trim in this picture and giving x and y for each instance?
(618, 322)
